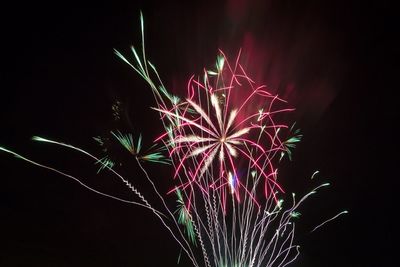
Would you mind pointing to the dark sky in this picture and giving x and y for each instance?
(333, 60)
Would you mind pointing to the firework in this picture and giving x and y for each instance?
(224, 139)
(211, 138)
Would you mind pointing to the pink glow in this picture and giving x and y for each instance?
(225, 123)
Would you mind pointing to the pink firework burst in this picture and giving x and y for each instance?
(224, 137)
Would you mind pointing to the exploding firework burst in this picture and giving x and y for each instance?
(224, 140)
(225, 122)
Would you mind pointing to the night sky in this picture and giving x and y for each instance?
(332, 60)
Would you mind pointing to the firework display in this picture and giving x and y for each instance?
(224, 138)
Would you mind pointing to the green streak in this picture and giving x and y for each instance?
(184, 217)
(126, 140)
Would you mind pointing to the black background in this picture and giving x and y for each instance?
(59, 78)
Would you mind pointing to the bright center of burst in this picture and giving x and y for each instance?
(222, 140)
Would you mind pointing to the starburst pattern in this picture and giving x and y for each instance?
(224, 140)
(226, 122)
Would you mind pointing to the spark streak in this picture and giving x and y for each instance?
(223, 140)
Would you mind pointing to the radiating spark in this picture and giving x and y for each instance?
(214, 132)
(314, 174)
(105, 163)
(331, 219)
